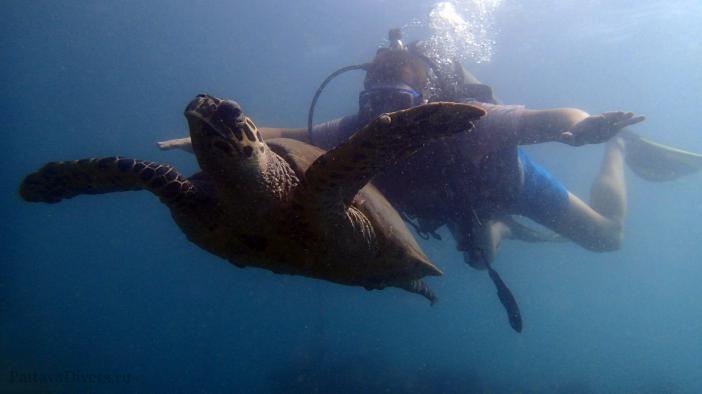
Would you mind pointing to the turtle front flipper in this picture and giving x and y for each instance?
(66, 179)
(339, 174)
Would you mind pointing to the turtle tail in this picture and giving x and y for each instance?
(418, 286)
(66, 179)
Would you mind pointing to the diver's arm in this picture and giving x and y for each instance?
(572, 126)
(505, 126)
(547, 125)
(267, 132)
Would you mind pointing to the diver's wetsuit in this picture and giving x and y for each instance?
(444, 183)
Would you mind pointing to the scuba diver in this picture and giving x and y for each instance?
(475, 186)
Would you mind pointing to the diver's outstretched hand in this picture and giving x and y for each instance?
(596, 129)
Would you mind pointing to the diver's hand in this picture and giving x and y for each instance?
(597, 129)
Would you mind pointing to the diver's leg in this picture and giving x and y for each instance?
(481, 244)
(608, 193)
(586, 227)
(494, 231)
(599, 226)
(179, 143)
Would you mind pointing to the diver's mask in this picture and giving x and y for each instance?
(387, 98)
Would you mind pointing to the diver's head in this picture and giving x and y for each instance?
(396, 79)
(399, 77)
(384, 98)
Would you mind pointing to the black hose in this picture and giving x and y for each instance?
(333, 75)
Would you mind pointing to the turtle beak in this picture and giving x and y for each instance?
(220, 117)
(201, 108)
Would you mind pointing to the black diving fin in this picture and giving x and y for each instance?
(507, 300)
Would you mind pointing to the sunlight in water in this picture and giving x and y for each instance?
(463, 30)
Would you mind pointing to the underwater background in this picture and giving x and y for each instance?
(105, 294)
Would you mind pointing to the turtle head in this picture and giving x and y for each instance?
(223, 138)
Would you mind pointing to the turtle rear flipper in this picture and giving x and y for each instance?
(339, 174)
(61, 180)
(657, 162)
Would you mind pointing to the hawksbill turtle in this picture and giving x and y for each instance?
(280, 204)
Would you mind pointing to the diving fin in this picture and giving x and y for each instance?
(507, 300)
(657, 162)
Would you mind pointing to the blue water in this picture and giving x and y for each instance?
(105, 294)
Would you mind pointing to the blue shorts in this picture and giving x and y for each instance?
(542, 198)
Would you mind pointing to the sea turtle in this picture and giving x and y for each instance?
(282, 205)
